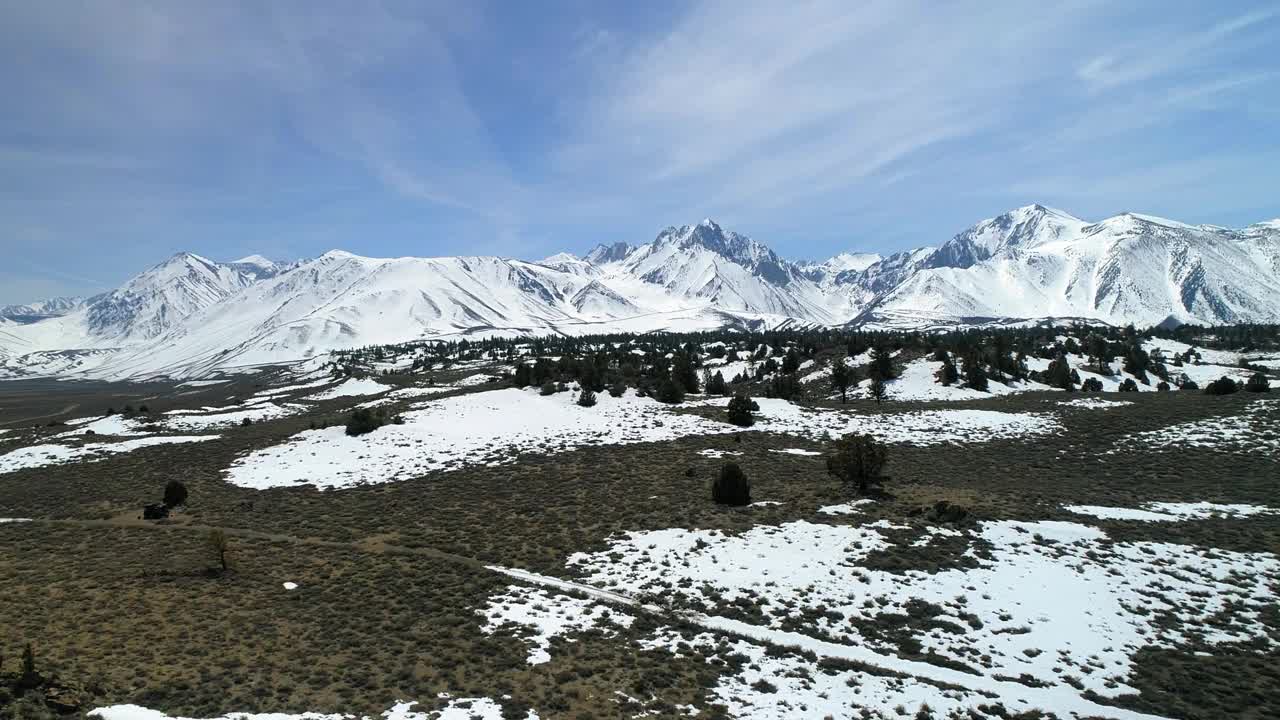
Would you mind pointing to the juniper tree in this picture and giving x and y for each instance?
(1257, 382)
(1058, 374)
(882, 363)
(587, 398)
(947, 375)
(975, 377)
(879, 391)
(715, 384)
(175, 493)
(740, 410)
(670, 391)
(1222, 386)
(841, 378)
(857, 461)
(731, 486)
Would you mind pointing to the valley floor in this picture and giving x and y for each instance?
(504, 554)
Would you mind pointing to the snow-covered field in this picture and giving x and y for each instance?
(109, 425)
(1057, 604)
(186, 422)
(50, 454)
(490, 428)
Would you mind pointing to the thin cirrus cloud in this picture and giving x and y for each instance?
(399, 127)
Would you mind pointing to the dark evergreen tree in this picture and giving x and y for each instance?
(947, 375)
(587, 398)
(175, 493)
(548, 388)
(670, 391)
(617, 389)
(731, 487)
(740, 410)
(882, 364)
(1058, 374)
(716, 385)
(363, 421)
(1257, 382)
(1091, 385)
(783, 387)
(878, 390)
(857, 461)
(841, 378)
(975, 377)
(1128, 385)
(1222, 386)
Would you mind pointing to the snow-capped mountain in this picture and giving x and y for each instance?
(41, 310)
(1036, 262)
(189, 315)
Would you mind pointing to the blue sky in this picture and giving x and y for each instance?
(132, 130)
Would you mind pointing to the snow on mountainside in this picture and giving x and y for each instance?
(1035, 262)
(189, 316)
(42, 310)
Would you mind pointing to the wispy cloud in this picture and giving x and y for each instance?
(401, 126)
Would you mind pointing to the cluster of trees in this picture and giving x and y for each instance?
(857, 462)
(668, 366)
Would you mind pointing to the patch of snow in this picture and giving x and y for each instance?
(44, 455)
(109, 425)
(542, 616)
(353, 387)
(717, 454)
(14, 520)
(254, 413)
(457, 709)
(291, 586)
(1094, 403)
(1172, 511)
(797, 451)
(848, 508)
(1252, 431)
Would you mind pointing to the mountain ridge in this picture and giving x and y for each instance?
(189, 315)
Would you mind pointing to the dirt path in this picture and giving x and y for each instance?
(63, 411)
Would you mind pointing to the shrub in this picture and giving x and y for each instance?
(618, 389)
(1222, 386)
(1162, 386)
(731, 487)
(1128, 385)
(246, 422)
(548, 388)
(1091, 385)
(219, 545)
(587, 398)
(857, 461)
(1257, 383)
(740, 409)
(175, 493)
(363, 421)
